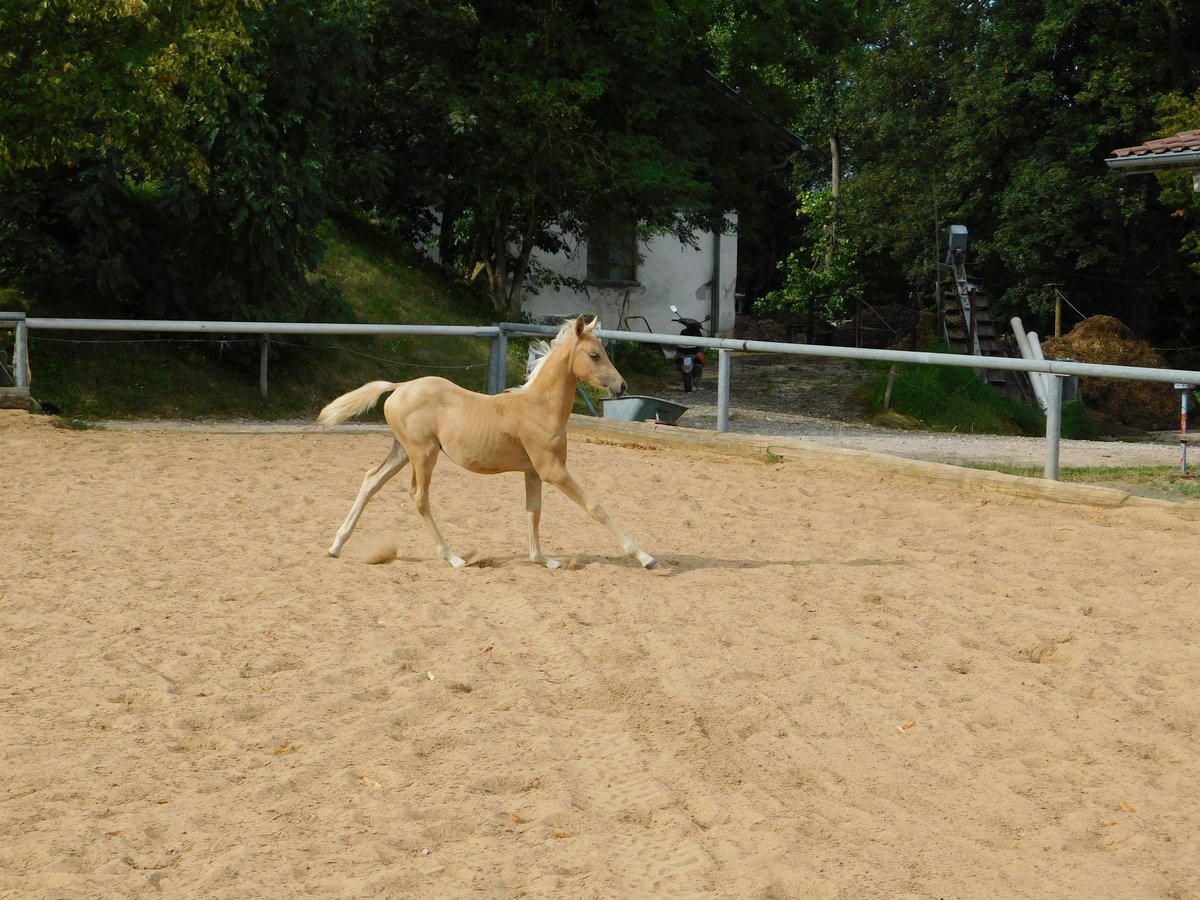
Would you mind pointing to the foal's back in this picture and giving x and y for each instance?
(480, 432)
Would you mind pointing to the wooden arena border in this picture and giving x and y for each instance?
(870, 462)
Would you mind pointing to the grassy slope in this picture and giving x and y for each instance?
(941, 398)
(100, 375)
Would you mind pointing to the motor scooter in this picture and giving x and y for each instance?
(689, 360)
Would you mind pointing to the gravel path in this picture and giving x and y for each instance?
(814, 399)
(1156, 450)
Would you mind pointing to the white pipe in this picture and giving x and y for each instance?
(500, 332)
(1035, 382)
(1035, 347)
(1019, 333)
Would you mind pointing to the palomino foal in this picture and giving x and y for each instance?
(523, 430)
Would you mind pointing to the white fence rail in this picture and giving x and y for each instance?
(499, 334)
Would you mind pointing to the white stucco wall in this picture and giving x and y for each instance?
(669, 272)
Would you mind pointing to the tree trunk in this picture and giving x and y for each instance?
(452, 207)
(1177, 55)
(506, 274)
(835, 195)
(492, 255)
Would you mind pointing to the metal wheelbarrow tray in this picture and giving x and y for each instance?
(635, 408)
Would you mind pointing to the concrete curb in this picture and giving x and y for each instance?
(871, 462)
(866, 461)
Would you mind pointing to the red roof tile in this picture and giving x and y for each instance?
(1185, 141)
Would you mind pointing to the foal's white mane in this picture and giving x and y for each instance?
(540, 351)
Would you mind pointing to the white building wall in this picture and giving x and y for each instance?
(669, 272)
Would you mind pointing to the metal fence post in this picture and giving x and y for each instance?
(498, 363)
(724, 362)
(1184, 390)
(21, 355)
(1053, 425)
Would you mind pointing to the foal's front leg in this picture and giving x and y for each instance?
(561, 479)
(533, 506)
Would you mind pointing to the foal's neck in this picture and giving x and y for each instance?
(554, 387)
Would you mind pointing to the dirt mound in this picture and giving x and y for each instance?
(765, 328)
(1117, 404)
(878, 327)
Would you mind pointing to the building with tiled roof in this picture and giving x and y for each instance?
(1179, 152)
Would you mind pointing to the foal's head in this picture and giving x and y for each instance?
(590, 363)
(585, 357)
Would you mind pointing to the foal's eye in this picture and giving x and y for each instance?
(593, 354)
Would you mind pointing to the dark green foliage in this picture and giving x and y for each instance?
(526, 122)
(642, 359)
(88, 78)
(999, 116)
(100, 237)
(1077, 422)
(175, 160)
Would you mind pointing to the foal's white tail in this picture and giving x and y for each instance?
(357, 401)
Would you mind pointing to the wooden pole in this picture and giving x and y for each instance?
(887, 393)
(264, 350)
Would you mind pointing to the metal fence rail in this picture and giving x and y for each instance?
(499, 335)
(263, 329)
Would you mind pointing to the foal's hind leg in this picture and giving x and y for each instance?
(372, 482)
(423, 464)
(533, 506)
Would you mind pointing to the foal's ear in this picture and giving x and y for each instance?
(580, 326)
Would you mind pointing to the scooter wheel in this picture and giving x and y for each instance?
(687, 382)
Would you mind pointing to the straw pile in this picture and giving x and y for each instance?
(1116, 404)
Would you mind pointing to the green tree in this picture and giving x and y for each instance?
(898, 113)
(87, 78)
(1182, 113)
(526, 123)
(825, 273)
(103, 234)
(1071, 80)
(999, 115)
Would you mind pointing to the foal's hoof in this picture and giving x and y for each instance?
(457, 561)
(647, 561)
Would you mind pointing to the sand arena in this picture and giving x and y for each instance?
(833, 685)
